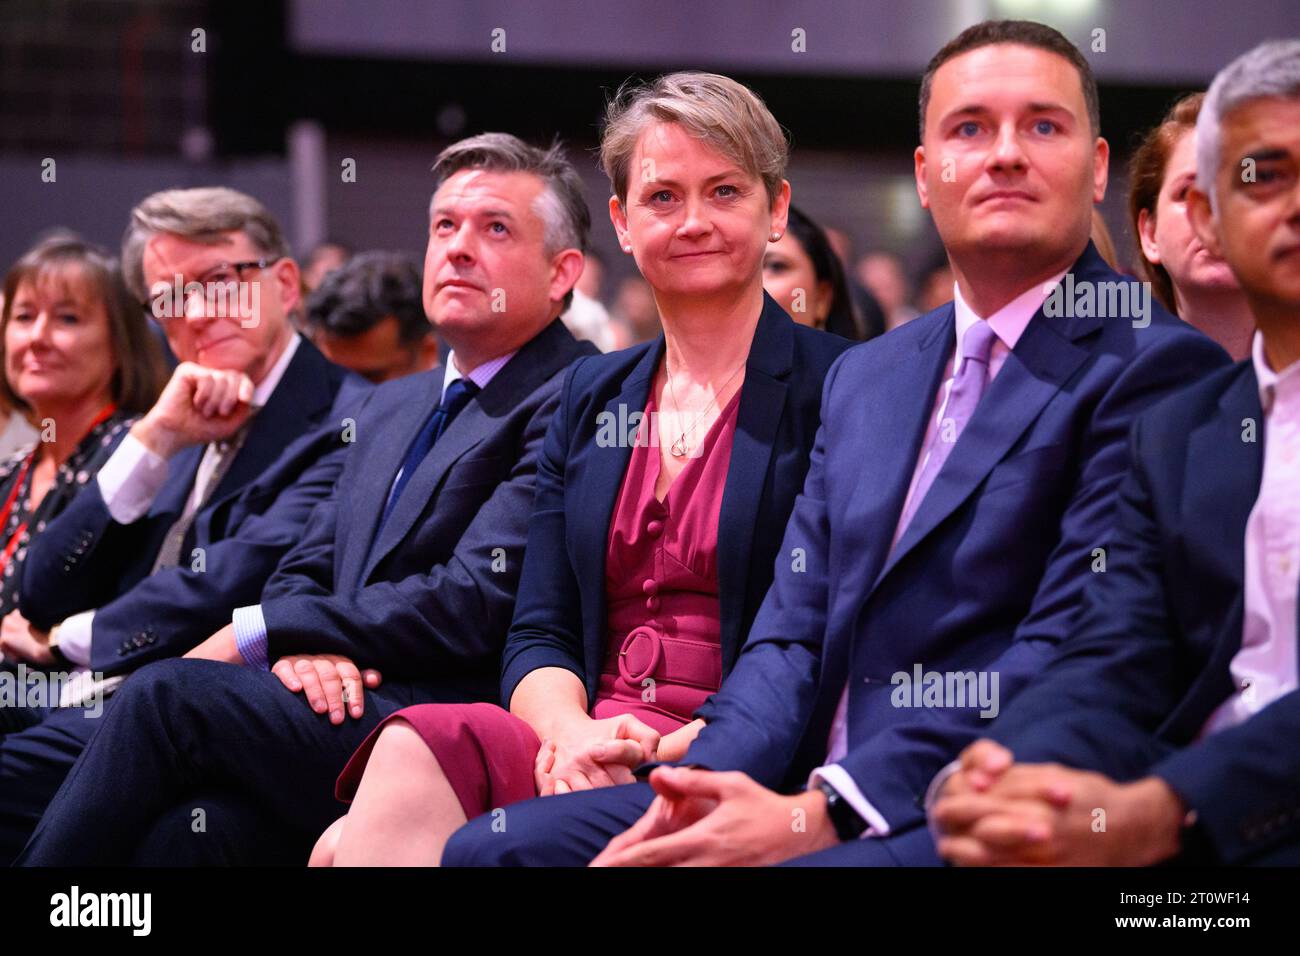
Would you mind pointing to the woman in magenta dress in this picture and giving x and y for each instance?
(663, 490)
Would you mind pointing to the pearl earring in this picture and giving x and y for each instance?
(775, 236)
(627, 248)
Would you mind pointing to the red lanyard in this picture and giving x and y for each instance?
(17, 536)
(8, 510)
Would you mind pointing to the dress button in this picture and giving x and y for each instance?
(655, 528)
(650, 586)
(652, 604)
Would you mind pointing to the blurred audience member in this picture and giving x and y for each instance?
(935, 287)
(592, 281)
(78, 356)
(636, 316)
(367, 315)
(882, 274)
(15, 430)
(587, 319)
(1188, 279)
(871, 316)
(1102, 239)
(805, 276)
(321, 261)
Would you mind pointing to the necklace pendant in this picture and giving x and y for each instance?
(679, 448)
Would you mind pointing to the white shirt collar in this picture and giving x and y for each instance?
(263, 389)
(481, 375)
(1268, 379)
(1009, 322)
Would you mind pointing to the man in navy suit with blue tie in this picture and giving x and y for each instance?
(1167, 726)
(964, 474)
(407, 572)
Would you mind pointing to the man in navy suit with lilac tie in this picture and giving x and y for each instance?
(963, 479)
(1175, 709)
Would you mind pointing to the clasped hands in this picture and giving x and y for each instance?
(996, 812)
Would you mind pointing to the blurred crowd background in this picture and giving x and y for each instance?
(330, 112)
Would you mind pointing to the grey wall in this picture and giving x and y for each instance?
(1173, 41)
(93, 195)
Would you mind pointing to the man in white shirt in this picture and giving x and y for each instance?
(1167, 727)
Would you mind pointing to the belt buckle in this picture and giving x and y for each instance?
(656, 654)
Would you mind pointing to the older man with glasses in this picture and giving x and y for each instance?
(212, 486)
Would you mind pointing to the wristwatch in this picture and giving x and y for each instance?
(848, 825)
(56, 651)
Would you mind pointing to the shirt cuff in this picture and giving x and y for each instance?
(250, 636)
(131, 479)
(839, 778)
(75, 637)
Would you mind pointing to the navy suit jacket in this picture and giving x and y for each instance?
(1149, 663)
(560, 617)
(429, 600)
(290, 459)
(988, 574)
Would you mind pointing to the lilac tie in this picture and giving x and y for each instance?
(967, 387)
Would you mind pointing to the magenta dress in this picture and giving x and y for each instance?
(663, 655)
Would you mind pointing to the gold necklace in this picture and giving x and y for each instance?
(678, 448)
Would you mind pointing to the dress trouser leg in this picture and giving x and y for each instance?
(566, 830)
(182, 729)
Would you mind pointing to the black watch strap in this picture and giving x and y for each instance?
(848, 825)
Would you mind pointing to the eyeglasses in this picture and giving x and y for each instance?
(221, 274)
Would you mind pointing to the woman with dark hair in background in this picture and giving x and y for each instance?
(805, 276)
(1185, 277)
(78, 356)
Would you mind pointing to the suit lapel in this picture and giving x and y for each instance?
(182, 469)
(466, 430)
(371, 496)
(902, 402)
(1043, 360)
(540, 358)
(1214, 517)
(762, 403)
(906, 388)
(589, 538)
